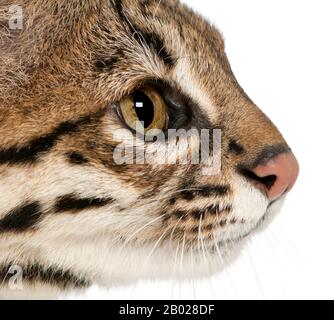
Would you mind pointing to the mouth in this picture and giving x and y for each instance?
(253, 228)
(221, 228)
(273, 209)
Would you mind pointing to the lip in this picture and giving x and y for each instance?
(251, 231)
(258, 226)
(271, 203)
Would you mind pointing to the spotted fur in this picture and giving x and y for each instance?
(69, 215)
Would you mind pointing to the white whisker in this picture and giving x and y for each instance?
(142, 228)
(257, 278)
(157, 8)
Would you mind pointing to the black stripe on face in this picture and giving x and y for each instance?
(236, 148)
(118, 5)
(76, 158)
(154, 41)
(205, 191)
(215, 209)
(21, 218)
(53, 276)
(198, 214)
(151, 39)
(31, 152)
(74, 204)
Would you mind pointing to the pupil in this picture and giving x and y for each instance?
(144, 108)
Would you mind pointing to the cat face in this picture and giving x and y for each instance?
(84, 181)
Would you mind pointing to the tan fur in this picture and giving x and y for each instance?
(47, 76)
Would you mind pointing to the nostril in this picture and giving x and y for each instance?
(267, 181)
(273, 177)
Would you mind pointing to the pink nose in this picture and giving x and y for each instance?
(277, 176)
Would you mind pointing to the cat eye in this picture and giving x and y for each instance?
(144, 110)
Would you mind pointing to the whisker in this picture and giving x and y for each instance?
(231, 282)
(173, 230)
(153, 249)
(142, 228)
(272, 246)
(290, 242)
(255, 272)
(174, 266)
(181, 260)
(142, 39)
(182, 251)
(193, 272)
(285, 250)
(218, 251)
(156, 9)
(202, 242)
(221, 260)
(144, 265)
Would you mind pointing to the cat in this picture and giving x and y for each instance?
(98, 182)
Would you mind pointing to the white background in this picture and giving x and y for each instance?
(282, 53)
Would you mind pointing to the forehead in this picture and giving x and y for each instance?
(164, 40)
(171, 29)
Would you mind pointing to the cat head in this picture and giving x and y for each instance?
(127, 146)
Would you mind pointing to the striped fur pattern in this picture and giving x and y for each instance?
(69, 215)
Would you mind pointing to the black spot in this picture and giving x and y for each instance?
(31, 152)
(109, 63)
(172, 201)
(198, 214)
(180, 214)
(22, 218)
(227, 209)
(76, 158)
(188, 195)
(208, 227)
(195, 229)
(236, 147)
(106, 64)
(222, 223)
(213, 209)
(75, 204)
(50, 275)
